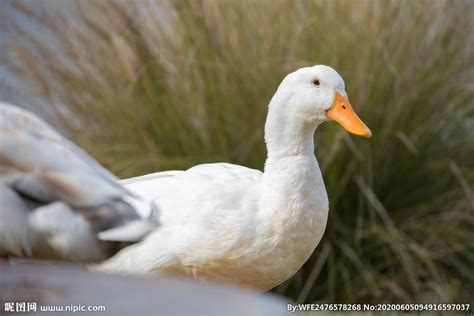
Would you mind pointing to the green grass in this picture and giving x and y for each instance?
(170, 85)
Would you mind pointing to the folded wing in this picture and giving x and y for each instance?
(56, 201)
(206, 191)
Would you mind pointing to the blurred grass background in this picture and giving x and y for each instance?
(154, 85)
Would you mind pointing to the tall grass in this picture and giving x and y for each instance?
(170, 84)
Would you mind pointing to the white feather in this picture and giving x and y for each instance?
(54, 198)
(66, 232)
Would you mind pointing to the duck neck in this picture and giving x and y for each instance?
(287, 132)
(291, 169)
(294, 203)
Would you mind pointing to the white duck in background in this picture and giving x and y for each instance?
(230, 223)
(56, 202)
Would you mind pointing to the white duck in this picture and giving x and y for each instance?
(234, 224)
(55, 200)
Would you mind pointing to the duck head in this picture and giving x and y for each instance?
(318, 94)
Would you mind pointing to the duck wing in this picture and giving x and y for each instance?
(204, 191)
(66, 197)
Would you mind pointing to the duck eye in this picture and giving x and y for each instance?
(316, 82)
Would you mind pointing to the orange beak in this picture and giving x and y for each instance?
(341, 111)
